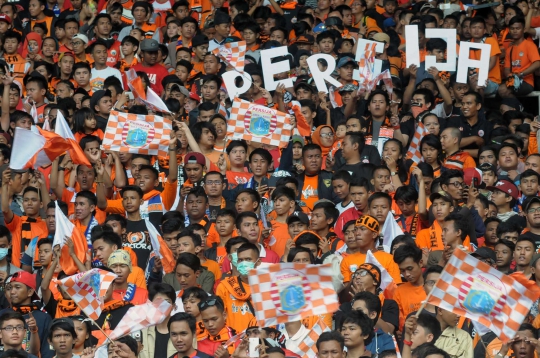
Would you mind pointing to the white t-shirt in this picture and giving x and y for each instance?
(99, 76)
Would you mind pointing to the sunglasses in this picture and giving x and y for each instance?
(208, 303)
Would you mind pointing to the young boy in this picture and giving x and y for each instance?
(6, 268)
(101, 71)
(340, 182)
(424, 329)
(284, 204)
(214, 319)
(85, 210)
(120, 262)
(479, 35)
(409, 295)
(226, 229)
(323, 217)
(326, 42)
(406, 198)
(104, 243)
(191, 298)
(130, 47)
(359, 190)
(189, 241)
(183, 328)
(22, 228)
(504, 195)
(357, 328)
(199, 46)
(20, 66)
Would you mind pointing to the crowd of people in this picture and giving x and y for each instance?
(225, 206)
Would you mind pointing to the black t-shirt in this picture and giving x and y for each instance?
(535, 237)
(213, 212)
(482, 129)
(138, 240)
(162, 340)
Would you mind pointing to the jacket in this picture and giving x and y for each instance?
(148, 336)
(381, 341)
(206, 280)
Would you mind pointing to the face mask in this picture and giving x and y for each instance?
(3, 253)
(234, 259)
(416, 110)
(244, 267)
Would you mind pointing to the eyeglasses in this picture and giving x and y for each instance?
(457, 184)
(327, 135)
(208, 303)
(429, 283)
(533, 210)
(11, 328)
(214, 182)
(360, 273)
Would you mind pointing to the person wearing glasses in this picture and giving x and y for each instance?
(456, 158)
(531, 208)
(13, 331)
(214, 319)
(21, 290)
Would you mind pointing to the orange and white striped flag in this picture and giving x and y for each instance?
(65, 228)
(160, 248)
(232, 53)
(415, 152)
(150, 98)
(468, 287)
(287, 292)
(253, 122)
(76, 153)
(137, 133)
(88, 289)
(142, 316)
(35, 148)
(308, 347)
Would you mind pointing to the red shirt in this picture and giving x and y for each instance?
(155, 74)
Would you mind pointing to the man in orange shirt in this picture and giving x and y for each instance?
(235, 291)
(451, 144)
(522, 60)
(409, 296)
(120, 263)
(367, 235)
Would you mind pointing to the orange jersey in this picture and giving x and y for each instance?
(237, 298)
(351, 263)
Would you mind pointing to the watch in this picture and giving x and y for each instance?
(393, 173)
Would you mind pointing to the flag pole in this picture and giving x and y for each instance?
(94, 322)
(425, 302)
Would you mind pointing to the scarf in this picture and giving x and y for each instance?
(66, 308)
(236, 288)
(316, 138)
(152, 193)
(88, 232)
(224, 335)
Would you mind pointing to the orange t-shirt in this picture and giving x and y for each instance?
(495, 73)
(136, 276)
(430, 239)
(98, 133)
(238, 312)
(351, 263)
(310, 194)
(237, 178)
(522, 56)
(280, 236)
(213, 266)
(408, 298)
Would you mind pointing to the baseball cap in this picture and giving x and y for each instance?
(512, 103)
(485, 253)
(530, 200)
(28, 279)
(298, 139)
(373, 270)
(506, 187)
(348, 88)
(441, 195)
(97, 96)
(487, 167)
(221, 17)
(369, 222)
(305, 85)
(390, 22)
(381, 37)
(298, 216)
(345, 61)
(150, 45)
(81, 37)
(120, 257)
(57, 321)
(305, 39)
(470, 174)
(194, 96)
(5, 18)
(182, 89)
(195, 158)
(333, 21)
(199, 40)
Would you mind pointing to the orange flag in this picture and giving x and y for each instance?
(301, 122)
(33, 149)
(161, 249)
(76, 153)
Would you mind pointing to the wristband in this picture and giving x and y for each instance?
(396, 127)
(34, 330)
(407, 343)
(61, 169)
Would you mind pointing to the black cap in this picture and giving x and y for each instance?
(97, 96)
(56, 321)
(199, 40)
(530, 200)
(485, 253)
(221, 18)
(298, 216)
(487, 167)
(333, 21)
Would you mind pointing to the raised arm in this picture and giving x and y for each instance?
(6, 181)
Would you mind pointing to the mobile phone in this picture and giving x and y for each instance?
(130, 95)
(264, 181)
(474, 182)
(253, 344)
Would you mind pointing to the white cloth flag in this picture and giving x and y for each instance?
(386, 279)
(389, 231)
(64, 227)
